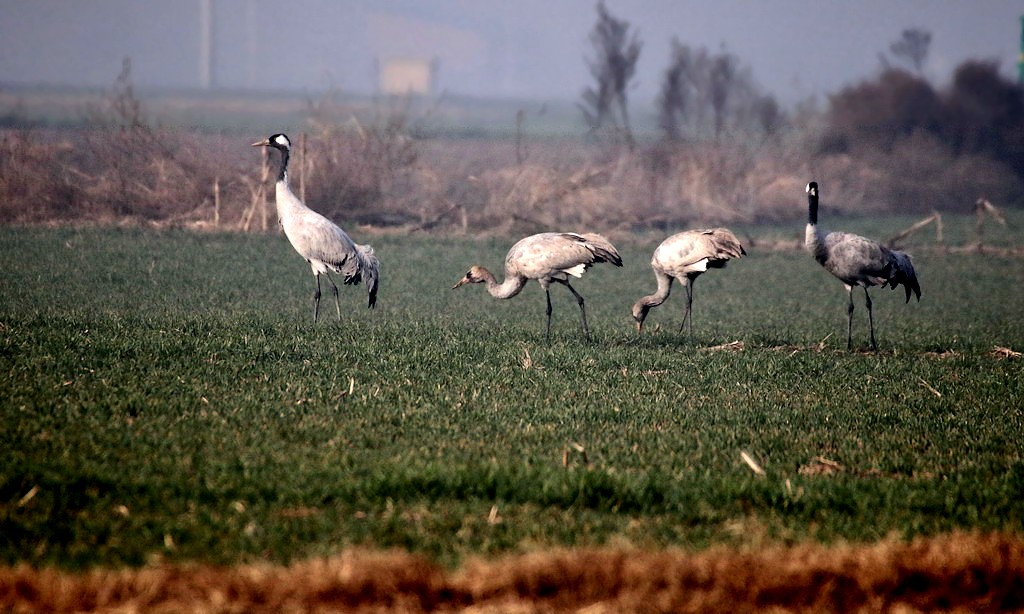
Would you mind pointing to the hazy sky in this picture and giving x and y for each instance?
(490, 48)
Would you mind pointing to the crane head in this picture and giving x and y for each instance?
(475, 275)
(640, 310)
(277, 141)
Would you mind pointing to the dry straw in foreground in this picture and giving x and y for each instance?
(957, 572)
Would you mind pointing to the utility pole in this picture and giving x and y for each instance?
(205, 44)
(1020, 60)
(251, 43)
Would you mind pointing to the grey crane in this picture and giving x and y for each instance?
(684, 256)
(324, 245)
(547, 257)
(857, 261)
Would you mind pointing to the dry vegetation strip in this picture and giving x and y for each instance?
(956, 572)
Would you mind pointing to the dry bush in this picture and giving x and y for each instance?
(142, 174)
(129, 169)
(955, 573)
(121, 170)
(915, 148)
(35, 185)
(664, 186)
(920, 174)
(877, 114)
(380, 172)
(113, 176)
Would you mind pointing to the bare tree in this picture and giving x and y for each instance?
(722, 81)
(677, 90)
(707, 93)
(768, 115)
(912, 47)
(616, 50)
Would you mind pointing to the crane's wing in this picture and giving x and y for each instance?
(554, 253)
(317, 238)
(696, 250)
(855, 260)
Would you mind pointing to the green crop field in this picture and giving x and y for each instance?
(165, 396)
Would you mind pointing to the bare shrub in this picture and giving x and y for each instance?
(363, 170)
(921, 174)
(34, 184)
(128, 169)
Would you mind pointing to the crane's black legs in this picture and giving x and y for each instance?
(579, 301)
(849, 318)
(583, 311)
(871, 320)
(316, 298)
(334, 289)
(688, 316)
(547, 334)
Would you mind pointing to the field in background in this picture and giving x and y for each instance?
(166, 398)
(246, 112)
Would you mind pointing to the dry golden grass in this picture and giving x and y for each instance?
(957, 572)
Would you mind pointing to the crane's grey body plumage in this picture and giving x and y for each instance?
(324, 245)
(857, 261)
(547, 257)
(685, 256)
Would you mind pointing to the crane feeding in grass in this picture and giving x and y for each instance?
(547, 257)
(684, 256)
(324, 245)
(857, 261)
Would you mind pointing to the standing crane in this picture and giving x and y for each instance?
(547, 257)
(324, 245)
(857, 261)
(684, 256)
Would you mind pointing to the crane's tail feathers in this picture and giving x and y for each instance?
(903, 273)
(602, 249)
(369, 270)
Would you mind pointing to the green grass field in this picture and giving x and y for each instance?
(165, 395)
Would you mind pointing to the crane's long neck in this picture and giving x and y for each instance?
(508, 288)
(812, 234)
(287, 202)
(282, 173)
(661, 294)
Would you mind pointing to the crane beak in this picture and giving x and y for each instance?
(263, 143)
(464, 280)
(639, 327)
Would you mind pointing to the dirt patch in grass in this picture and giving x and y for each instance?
(955, 572)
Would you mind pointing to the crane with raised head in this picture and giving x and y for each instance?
(857, 261)
(324, 245)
